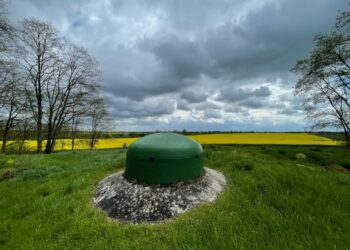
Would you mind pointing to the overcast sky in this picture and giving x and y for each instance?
(194, 64)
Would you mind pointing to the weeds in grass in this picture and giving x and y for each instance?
(10, 162)
(300, 157)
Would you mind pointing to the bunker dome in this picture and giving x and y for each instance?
(164, 158)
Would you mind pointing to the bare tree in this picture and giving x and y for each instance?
(39, 45)
(7, 39)
(75, 123)
(325, 79)
(98, 119)
(24, 126)
(60, 76)
(6, 34)
(75, 75)
(13, 104)
(79, 112)
(12, 98)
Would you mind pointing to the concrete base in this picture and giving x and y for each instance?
(132, 202)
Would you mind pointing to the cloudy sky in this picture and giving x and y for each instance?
(194, 64)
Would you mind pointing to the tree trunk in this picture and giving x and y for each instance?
(39, 129)
(91, 144)
(48, 149)
(73, 143)
(5, 134)
(39, 102)
(347, 136)
(52, 134)
(20, 148)
(50, 140)
(92, 141)
(24, 138)
(48, 146)
(73, 134)
(346, 129)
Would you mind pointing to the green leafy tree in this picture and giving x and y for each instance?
(325, 78)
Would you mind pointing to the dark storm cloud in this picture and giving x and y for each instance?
(207, 105)
(183, 105)
(181, 58)
(249, 98)
(233, 95)
(212, 113)
(271, 39)
(237, 109)
(254, 103)
(194, 96)
(214, 57)
(127, 108)
(293, 106)
(267, 41)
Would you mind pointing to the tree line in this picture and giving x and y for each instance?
(47, 83)
(324, 81)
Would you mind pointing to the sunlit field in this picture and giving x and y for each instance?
(204, 139)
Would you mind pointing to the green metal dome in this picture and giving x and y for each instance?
(164, 158)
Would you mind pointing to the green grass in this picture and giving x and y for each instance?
(272, 201)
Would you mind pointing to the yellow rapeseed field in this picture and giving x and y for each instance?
(65, 144)
(265, 138)
(233, 138)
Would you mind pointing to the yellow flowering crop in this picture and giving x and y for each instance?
(233, 138)
(265, 138)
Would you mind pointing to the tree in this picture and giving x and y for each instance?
(75, 123)
(23, 126)
(74, 76)
(6, 35)
(13, 103)
(98, 119)
(12, 98)
(38, 45)
(325, 78)
(6, 41)
(60, 76)
(79, 111)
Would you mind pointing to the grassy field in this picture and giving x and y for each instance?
(272, 201)
(207, 139)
